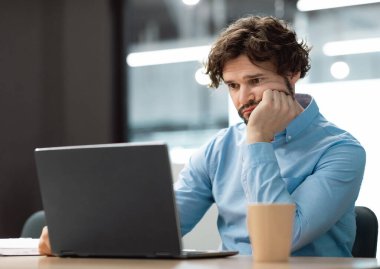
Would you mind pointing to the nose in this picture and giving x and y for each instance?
(245, 94)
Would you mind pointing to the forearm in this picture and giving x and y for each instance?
(193, 194)
(261, 177)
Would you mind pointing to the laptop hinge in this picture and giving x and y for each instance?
(67, 253)
(164, 254)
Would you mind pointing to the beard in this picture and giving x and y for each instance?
(252, 102)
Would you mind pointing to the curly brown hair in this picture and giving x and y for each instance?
(261, 39)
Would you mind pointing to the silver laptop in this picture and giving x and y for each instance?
(112, 200)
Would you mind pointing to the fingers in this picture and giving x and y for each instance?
(44, 247)
(278, 101)
(268, 95)
(280, 107)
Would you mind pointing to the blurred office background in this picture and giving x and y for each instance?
(101, 71)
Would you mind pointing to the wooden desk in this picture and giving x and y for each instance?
(236, 262)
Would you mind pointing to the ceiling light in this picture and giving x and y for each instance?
(168, 56)
(201, 77)
(340, 70)
(190, 2)
(357, 46)
(309, 5)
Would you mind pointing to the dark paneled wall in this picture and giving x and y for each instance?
(56, 88)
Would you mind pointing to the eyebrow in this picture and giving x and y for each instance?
(246, 77)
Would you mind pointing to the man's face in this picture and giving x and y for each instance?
(247, 83)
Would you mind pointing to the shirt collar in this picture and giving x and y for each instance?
(303, 120)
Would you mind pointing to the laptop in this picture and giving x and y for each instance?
(112, 200)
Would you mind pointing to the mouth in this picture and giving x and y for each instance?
(244, 113)
(247, 112)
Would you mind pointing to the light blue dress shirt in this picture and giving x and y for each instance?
(312, 163)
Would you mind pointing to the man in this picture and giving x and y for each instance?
(284, 152)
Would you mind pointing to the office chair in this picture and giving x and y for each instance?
(365, 244)
(33, 225)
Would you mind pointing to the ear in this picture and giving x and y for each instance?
(293, 78)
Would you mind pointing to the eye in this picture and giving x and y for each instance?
(233, 86)
(255, 81)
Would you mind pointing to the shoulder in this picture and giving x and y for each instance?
(335, 134)
(338, 144)
(227, 140)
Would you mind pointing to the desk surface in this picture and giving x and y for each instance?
(238, 262)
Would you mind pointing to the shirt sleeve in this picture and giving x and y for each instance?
(321, 199)
(193, 191)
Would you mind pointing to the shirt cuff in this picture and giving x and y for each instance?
(258, 153)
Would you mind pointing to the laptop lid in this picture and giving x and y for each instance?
(109, 200)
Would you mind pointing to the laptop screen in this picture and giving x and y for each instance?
(109, 200)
